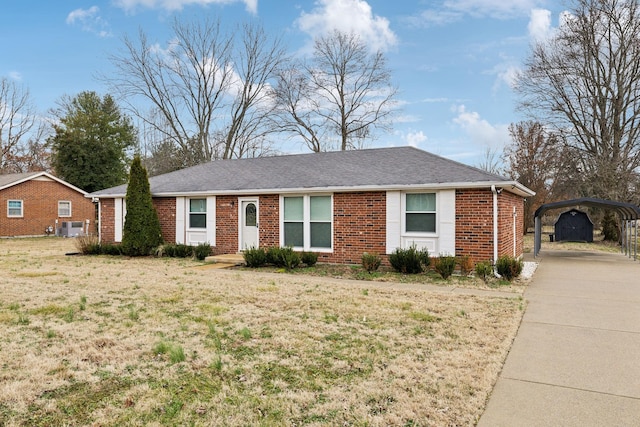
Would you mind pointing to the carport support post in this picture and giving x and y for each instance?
(537, 236)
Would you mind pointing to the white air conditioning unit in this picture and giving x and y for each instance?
(70, 229)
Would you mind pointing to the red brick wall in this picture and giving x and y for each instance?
(166, 208)
(107, 220)
(359, 225)
(226, 225)
(269, 220)
(40, 207)
(474, 223)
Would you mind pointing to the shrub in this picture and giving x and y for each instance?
(202, 251)
(181, 250)
(110, 249)
(444, 265)
(509, 267)
(484, 270)
(274, 256)
(255, 257)
(309, 258)
(289, 258)
(87, 245)
(610, 227)
(409, 261)
(371, 262)
(466, 264)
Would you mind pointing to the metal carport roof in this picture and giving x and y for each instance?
(626, 211)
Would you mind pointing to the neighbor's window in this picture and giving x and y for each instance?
(197, 213)
(307, 222)
(14, 208)
(420, 213)
(64, 208)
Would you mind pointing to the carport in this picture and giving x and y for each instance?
(627, 213)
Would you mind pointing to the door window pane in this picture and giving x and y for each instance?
(250, 218)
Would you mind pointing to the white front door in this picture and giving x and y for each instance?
(248, 224)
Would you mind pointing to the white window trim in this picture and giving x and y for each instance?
(64, 216)
(306, 222)
(188, 211)
(21, 215)
(403, 216)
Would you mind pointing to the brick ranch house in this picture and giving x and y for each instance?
(337, 204)
(35, 201)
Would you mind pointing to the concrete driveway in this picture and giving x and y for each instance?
(576, 358)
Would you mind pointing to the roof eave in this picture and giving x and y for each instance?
(511, 186)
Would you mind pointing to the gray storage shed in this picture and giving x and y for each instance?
(574, 226)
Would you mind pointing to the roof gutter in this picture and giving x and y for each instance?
(511, 186)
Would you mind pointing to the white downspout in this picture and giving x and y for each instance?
(495, 225)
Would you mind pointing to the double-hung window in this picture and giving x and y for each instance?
(307, 222)
(64, 208)
(197, 213)
(14, 208)
(420, 213)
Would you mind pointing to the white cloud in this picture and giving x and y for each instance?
(15, 75)
(415, 138)
(348, 16)
(90, 21)
(454, 10)
(171, 5)
(479, 130)
(539, 24)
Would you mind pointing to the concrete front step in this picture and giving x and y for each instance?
(231, 259)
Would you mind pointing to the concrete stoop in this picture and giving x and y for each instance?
(225, 261)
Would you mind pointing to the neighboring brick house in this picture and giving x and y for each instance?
(337, 204)
(38, 203)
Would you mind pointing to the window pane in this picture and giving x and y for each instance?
(321, 208)
(197, 205)
(425, 202)
(14, 208)
(64, 208)
(293, 234)
(293, 209)
(421, 222)
(320, 234)
(250, 215)
(197, 220)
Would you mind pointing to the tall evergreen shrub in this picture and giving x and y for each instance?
(142, 231)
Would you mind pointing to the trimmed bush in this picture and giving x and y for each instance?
(509, 267)
(309, 258)
(289, 258)
(409, 261)
(110, 249)
(371, 262)
(466, 264)
(202, 251)
(444, 265)
(274, 256)
(484, 270)
(255, 257)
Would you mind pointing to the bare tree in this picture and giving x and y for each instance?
(209, 95)
(537, 159)
(339, 96)
(585, 83)
(491, 161)
(17, 120)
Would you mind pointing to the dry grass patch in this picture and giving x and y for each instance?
(117, 341)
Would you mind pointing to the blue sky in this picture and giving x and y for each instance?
(452, 60)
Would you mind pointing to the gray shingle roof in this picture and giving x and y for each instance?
(383, 167)
(6, 180)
